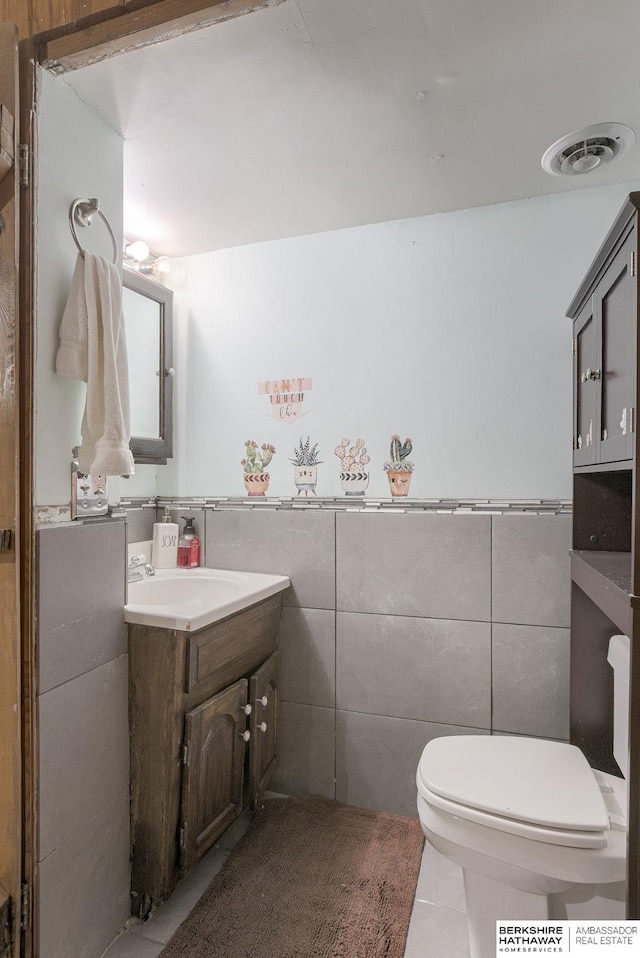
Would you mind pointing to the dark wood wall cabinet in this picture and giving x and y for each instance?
(605, 560)
(204, 743)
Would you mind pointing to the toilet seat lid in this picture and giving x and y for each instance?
(522, 779)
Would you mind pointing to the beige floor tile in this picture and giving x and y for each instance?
(436, 932)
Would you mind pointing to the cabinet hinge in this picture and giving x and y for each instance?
(185, 754)
(23, 164)
(183, 835)
(632, 419)
(574, 347)
(633, 262)
(25, 906)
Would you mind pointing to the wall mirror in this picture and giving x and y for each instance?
(148, 319)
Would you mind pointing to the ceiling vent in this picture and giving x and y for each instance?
(588, 149)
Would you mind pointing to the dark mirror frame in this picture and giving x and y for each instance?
(145, 449)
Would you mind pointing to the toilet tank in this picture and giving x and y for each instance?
(619, 658)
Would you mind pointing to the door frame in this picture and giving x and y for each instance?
(17, 632)
(26, 337)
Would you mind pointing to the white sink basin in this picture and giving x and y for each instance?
(189, 599)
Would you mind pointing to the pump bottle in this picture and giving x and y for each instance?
(164, 551)
(188, 546)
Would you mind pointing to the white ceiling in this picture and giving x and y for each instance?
(320, 114)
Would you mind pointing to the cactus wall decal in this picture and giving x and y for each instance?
(256, 480)
(354, 477)
(305, 466)
(399, 469)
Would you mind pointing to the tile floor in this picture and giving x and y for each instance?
(438, 925)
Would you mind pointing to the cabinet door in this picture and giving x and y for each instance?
(213, 770)
(585, 385)
(615, 302)
(263, 696)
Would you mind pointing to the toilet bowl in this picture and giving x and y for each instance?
(526, 819)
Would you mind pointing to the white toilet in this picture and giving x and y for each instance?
(527, 819)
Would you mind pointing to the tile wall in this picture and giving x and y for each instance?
(83, 894)
(402, 627)
(397, 628)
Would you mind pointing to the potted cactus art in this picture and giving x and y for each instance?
(399, 470)
(256, 480)
(354, 477)
(305, 466)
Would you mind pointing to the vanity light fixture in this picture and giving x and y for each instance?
(138, 257)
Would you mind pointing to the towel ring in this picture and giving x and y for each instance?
(81, 214)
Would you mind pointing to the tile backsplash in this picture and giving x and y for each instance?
(83, 812)
(399, 627)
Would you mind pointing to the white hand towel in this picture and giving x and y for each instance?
(93, 348)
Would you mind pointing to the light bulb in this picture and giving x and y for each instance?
(162, 266)
(138, 251)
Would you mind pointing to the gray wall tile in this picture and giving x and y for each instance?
(84, 750)
(531, 570)
(531, 680)
(307, 751)
(377, 759)
(308, 656)
(140, 523)
(84, 887)
(432, 670)
(81, 573)
(430, 565)
(299, 544)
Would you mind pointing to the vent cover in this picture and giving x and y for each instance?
(587, 149)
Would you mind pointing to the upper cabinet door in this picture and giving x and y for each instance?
(585, 361)
(604, 360)
(616, 306)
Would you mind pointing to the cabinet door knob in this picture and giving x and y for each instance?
(247, 709)
(263, 726)
(246, 735)
(263, 701)
(590, 374)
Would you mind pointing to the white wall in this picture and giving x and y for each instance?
(449, 329)
(78, 156)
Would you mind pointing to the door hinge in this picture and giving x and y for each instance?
(185, 754)
(25, 906)
(632, 419)
(23, 164)
(574, 347)
(633, 262)
(183, 836)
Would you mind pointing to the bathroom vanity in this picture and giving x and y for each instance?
(204, 743)
(605, 561)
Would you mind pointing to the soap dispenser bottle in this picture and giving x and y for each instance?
(188, 546)
(164, 548)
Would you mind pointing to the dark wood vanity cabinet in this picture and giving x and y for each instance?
(203, 718)
(605, 559)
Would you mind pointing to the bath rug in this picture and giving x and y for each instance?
(312, 878)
